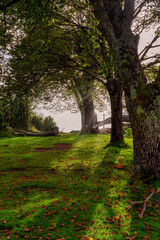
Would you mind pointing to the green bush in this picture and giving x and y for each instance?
(37, 122)
(48, 123)
(5, 132)
(42, 124)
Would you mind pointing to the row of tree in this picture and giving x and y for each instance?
(83, 48)
(42, 124)
(18, 114)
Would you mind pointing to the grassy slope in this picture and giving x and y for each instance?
(77, 193)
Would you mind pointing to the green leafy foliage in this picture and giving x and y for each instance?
(37, 122)
(42, 124)
(48, 123)
(4, 113)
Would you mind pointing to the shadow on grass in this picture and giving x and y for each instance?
(68, 195)
(118, 145)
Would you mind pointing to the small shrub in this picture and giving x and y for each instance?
(5, 132)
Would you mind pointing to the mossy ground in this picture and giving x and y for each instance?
(77, 190)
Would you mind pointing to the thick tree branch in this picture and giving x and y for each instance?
(95, 76)
(105, 25)
(129, 11)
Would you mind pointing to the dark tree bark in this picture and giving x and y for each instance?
(142, 99)
(115, 93)
(143, 103)
(115, 90)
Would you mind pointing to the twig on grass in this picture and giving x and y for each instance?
(153, 194)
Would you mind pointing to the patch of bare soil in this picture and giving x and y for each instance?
(53, 171)
(79, 170)
(43, 149)
(57, 147)
(16, 170)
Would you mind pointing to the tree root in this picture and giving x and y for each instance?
(153, 194)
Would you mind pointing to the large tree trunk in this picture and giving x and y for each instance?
(146, 139)
(144, 114)
(82, 118)
(83, 89)
(89, 117)
(142, 99)
(116, 113)
(115, 93)
(143, 104)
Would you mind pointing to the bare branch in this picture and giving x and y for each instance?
(138, 9)
(155, 46)
(95, 76)
(153, 63)
(153, 194)
(147, 48)
(129, 10)
(157, 56)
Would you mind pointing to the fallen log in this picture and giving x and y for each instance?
(125, 118)
(53, 132)
(126, 124)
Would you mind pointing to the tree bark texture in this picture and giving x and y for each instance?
(115, 93)
(84, 88)
(144, 111)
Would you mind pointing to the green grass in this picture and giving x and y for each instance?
(76, 193)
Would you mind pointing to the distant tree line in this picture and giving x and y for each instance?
(42, 124)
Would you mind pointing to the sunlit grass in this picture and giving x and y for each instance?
(79, 192)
